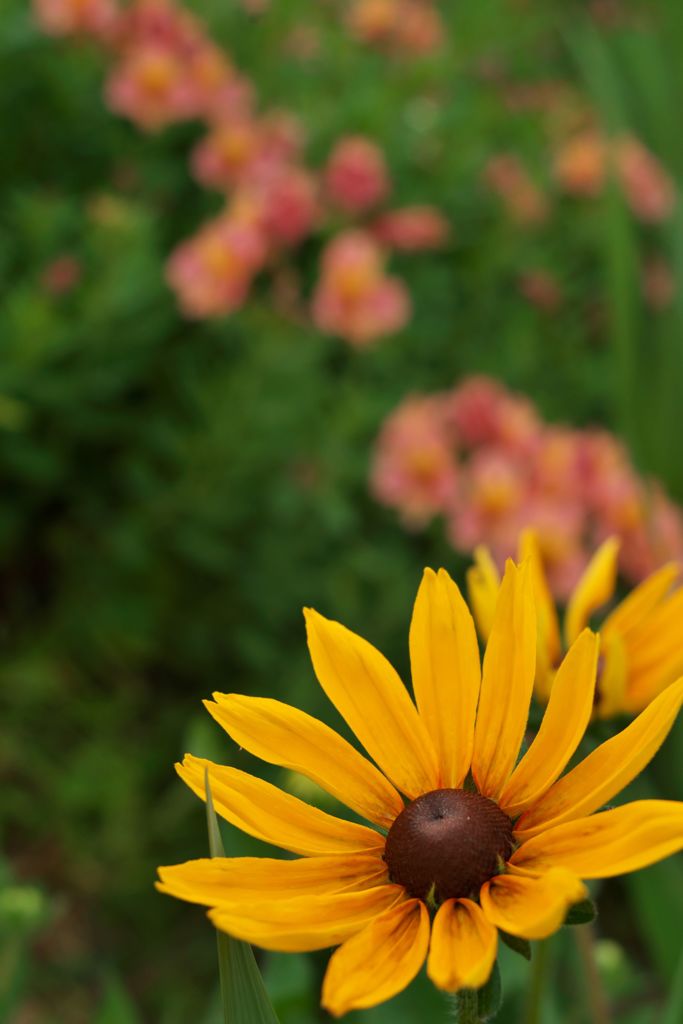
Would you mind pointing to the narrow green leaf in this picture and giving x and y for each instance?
(490, 996)
(244, 996)
(673, 1013)
(581, 913)
(521, 946)
(116, 1006)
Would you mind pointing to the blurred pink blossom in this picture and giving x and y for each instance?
(212, 272)
(354, 298)
(523, 200)
(584, 161)
(403, 27)
(412, 228)
(495, 468)
(415, 468)
(76, 17)
(356, 176)
(62, 275)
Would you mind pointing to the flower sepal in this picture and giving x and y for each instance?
(583, 912)
(476, 1006)
(517, 945)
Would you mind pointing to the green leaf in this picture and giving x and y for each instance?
(244, 996)
(581, 913)
(673, 1013)
(521, 946)
(116, 1006)
(490, 996)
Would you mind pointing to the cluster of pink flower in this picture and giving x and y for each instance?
(401, 27)
(582, 166)
(484, 459)
(584, 162)
(165, 70)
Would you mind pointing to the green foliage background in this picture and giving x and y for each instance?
(174, 492)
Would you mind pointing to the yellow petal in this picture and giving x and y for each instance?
(643, 599)
(594, 589)
(215, 880)
(610, 843)
(507, 682)
(483, 584)
(290, 738)
(657, 637)
(650, 684)
(444, 658)
(463, 947)
(607, 770)
(305, 922)
(531, 907)
(562, 728)
(378, 962)
(548, 626)
(611, 688)
(654, 652)
(368, 693)
(275, 817)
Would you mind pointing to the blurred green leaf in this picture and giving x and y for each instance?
(673, 1014)
(116, 1007)
(245, 1000)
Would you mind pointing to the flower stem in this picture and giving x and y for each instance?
(539, 966)
(597, 999)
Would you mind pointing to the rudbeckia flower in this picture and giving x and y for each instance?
(640, 648)
(464, 840)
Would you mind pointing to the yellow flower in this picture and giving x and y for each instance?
(640, 646)
(478, 841)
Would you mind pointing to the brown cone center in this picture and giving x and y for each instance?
(448, 843)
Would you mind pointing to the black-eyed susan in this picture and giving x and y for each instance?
(640, 648)
(467, 840)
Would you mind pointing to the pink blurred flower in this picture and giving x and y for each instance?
(284, 204)
(418, 29)
(354, 298)
(474, 410)
(580, 164)
(290, 205)
(492, 492)
(62, 275)
(541, 289)
(356, 176)
(511, 471)
(76, 17)
(583, 162)
(648, 188)
(414, 468)
(404, 27)
(524, 201)
(412, 228)
(150, 87)
(243, 148)
(222, 158)
(373, 21)
(212, 272)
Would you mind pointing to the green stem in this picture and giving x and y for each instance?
(466, 1006)
(539, 967)
(597, 1000)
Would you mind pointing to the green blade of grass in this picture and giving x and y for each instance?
(673, 1013)
(243, 993)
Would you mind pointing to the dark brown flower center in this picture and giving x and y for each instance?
(447, 843)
